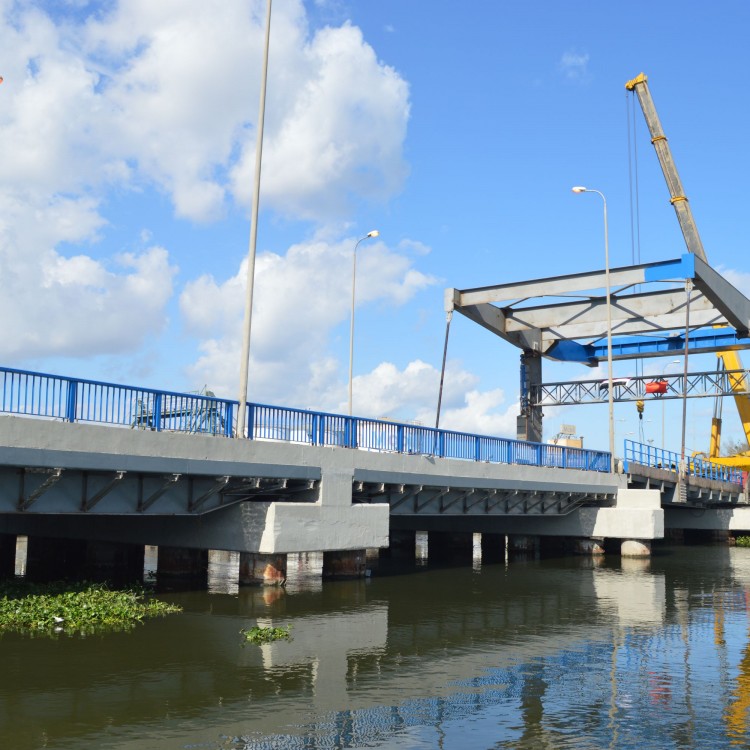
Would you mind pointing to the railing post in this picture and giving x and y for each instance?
(250, 421)
(400, 438)
(228, 419)
(350, 432)
(156, 416)
(70, 410)
(314, 427)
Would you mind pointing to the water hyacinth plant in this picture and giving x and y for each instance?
(75, 608)
(261, 635)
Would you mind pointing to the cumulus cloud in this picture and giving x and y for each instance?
(143, 95)
(299, 298)
(412, 393)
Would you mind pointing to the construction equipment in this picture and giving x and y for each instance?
(730, 360)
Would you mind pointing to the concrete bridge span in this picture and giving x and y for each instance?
(116, 484)
(79, 481)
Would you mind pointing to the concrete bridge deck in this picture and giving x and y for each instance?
(83, 481)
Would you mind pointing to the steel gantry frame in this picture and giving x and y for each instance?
(658, 309)
(698, 385)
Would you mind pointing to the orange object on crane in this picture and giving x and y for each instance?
(656, 387)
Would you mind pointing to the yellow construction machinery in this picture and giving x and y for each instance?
(730, 360)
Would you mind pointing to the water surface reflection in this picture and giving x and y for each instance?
(559, 653)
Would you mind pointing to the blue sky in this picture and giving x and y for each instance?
(127, 137)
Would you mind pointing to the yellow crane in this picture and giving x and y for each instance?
(730, 360)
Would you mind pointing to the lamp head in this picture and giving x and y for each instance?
(579, 189)
(374, 233)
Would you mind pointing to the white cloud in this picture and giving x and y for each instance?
(298, 300)
(574, 66)
(341, 135)
(162, 96)
(165, 94)
(412, 393)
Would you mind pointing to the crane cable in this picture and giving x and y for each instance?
(635, 218)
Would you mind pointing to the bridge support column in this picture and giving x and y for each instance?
(114, 561)
(588, 546)
(522, 545)
(182, 565)
(635, 548)
(7, 555)
(402, 545)
(50, 559)
(451, 546)
(349, 563)
(529, 422)
(493, 548)
(257, 569)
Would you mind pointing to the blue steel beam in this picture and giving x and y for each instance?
(701, 341)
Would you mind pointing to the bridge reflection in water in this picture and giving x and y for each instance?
(557, 653)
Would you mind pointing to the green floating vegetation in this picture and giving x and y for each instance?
(266, 635)
(82, 609)
(742, 541)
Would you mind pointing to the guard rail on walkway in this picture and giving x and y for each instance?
(37, 394)
(648, 455)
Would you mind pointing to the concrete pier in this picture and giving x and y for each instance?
(118, 563)
(402, 545)
(262, 570)
(523, 546)
(7, 555)
(341, 564)
(636, 548)
(450, 546)
(493, 547)
(182, 565)
(49, 559)
(587, 546)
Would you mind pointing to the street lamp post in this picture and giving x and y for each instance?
(610, 396)
(374, 233)
(247, 324)
(663, 370)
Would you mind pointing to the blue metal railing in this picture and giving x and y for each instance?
(648, 455)
(37, 394)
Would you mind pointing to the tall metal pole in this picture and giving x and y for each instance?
(664, 369)
(688, 288)
(610, 395)
(374, 233)
(250, 284)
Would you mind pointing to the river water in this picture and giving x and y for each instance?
(561, 653)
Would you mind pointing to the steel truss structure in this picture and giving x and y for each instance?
(678, 306)
(699, 385)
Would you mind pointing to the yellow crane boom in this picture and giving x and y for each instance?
(678, 199)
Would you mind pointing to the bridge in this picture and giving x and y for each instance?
(122, 465)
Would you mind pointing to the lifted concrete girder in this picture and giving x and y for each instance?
(729, 301)
(543, 328)
(576, 282)
(652, 312)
